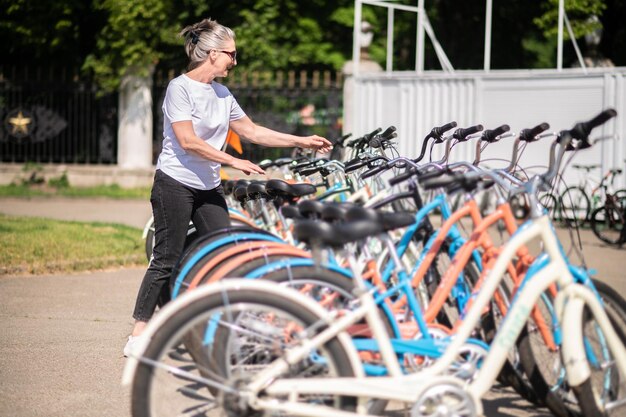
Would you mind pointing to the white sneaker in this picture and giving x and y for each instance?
(131, 345)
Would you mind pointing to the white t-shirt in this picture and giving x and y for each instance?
(210, 107)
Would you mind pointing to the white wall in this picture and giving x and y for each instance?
(520, 98)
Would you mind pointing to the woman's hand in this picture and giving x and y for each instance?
(246, 167)
(318, 143)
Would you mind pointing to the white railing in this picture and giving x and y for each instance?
(414, 103)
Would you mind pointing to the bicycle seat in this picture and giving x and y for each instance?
(239, 190)
(311, 209)
(387, 221)
(316, 233)
(333, 212)
(256, 190)
(291, 212)
(280, 188)
(228, 186)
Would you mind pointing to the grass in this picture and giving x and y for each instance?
(33, 245)
(46, 190)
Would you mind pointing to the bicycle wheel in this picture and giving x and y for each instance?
(512, 372)
(607, 223)
(575, 206)
(544, 365)
(542, 362)
(176, 370)
(604, 392)
(551, 204)
(519, 206)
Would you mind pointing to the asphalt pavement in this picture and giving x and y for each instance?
(62, 335)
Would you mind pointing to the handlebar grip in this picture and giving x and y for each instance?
(342, 139)
(581, 130)
(402, 177)
(298, 167)
(440, 182)
(393, 135)
(267, 163)
(353, 161)
(462, 133)
(374, 171)
(309, 171)
(529, 135)
(492, 134)
(370, 135)
(355, 166)
(378, 141)
(426, 176)
(439, 131)
(355, 142)
(388, 132)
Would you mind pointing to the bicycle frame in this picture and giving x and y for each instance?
(569, 303)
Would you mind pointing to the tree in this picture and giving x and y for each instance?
(61, 33)
(111, 38)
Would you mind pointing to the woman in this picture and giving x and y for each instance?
(197, 115)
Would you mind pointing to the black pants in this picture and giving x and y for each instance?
(173, 205)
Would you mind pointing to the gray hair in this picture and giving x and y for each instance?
(202, 37)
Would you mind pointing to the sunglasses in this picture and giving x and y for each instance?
(231, 54)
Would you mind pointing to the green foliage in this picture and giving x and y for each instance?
(55, 32)
(41, 246)
(130, 42)
(273, 35)
(578, 12)
(32, 174)
(544, 52)
(113, 38)
(60, 182)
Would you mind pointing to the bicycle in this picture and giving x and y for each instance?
(579, 201)
(320, 347)
(607, 222)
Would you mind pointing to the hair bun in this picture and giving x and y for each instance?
(194, 36)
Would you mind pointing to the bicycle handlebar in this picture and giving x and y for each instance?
(492, 134)
(435, 133)
(341, 140)
(582, 130)
(530, 135)
(462, 133)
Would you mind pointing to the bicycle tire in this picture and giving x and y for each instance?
(199, 244)
(551, 204)
(575, 206)
(606, 387)
(607, 223)
(166, 344)
(203, 270)
(519, 206)
(512, 372)
(541, 364)
(559, 398)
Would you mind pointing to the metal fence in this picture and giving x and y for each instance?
(299, 103)
(56, 116)
(52, 115)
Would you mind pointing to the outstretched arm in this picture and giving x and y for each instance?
(260, 135)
